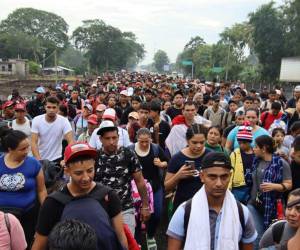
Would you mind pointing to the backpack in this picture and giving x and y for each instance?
(187, 213)
(87, 209)
(263, 122)
(277, 231)
(53, 175)
(155, 149)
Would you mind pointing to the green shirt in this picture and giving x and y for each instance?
(217, 148)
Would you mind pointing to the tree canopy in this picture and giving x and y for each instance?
(43, 32)
(107, 47)
(251, 50)
(160, 59)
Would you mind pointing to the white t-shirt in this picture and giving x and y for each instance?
(50, 135)
(123, 139)
(26, 128)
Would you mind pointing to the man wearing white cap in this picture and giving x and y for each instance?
(110, 114)
(36, 106)
(123, 103)
(292, 102)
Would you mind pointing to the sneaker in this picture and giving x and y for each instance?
(151, 244)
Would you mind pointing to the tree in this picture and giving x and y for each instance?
(107, 47)
(239, 37)
(291, 19)
(194, 43)
(268, 39)
(160, 59)
(47, 30)
(72, 58)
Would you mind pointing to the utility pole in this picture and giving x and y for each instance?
(226, 76)
(55, 62)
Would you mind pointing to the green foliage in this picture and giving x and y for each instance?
(160, 59)
(72, 58)
(239, 37)
(106, 47)
(43, 33)
(268, 39)
(291, 21)
(34, 68)
(194, 43)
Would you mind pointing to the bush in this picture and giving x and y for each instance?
(34, 68)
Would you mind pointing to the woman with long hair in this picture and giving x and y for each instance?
(282, 231)
(184, 166)
(271, 177)
(21, 181)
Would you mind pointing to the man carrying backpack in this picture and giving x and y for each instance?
(212, 219)
(84, 200)
(116, 167)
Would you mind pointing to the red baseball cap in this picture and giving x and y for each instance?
(7, 104)
(20, 106)
(77, 149)
(93, 119)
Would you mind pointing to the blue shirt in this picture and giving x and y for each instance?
(18, 185)
(186, 188)
(233, 136)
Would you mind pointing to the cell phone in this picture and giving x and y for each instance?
(191, 164)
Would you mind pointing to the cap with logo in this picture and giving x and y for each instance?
(78, 149)
(40, 90)
(245, 132)
(216, 159)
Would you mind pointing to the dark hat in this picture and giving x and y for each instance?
(216, 98)
(231, 101)
(216, 159)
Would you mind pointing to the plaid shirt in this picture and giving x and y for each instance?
(272, 174)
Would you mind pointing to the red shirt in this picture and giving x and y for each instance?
(268, 118)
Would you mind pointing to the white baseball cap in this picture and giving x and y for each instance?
(105, 125)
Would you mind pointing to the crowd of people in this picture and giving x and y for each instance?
(93, 164)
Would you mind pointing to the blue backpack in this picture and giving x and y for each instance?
(88, 209)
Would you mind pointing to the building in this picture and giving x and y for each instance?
(14, 67)
(59, 70)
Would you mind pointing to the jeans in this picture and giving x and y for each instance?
(156, 216)
(258, 222)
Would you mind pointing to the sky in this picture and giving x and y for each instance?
(158, 24)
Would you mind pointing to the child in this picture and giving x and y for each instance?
(294, 132)
(241, 161)
(278, 135)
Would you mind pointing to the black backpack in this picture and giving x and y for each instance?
(88, 209)
(277, 231)
(187, 213)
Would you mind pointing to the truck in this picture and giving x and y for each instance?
(290, 69)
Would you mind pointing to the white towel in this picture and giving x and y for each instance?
(198, 232)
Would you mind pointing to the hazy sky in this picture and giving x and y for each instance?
(158, 24)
